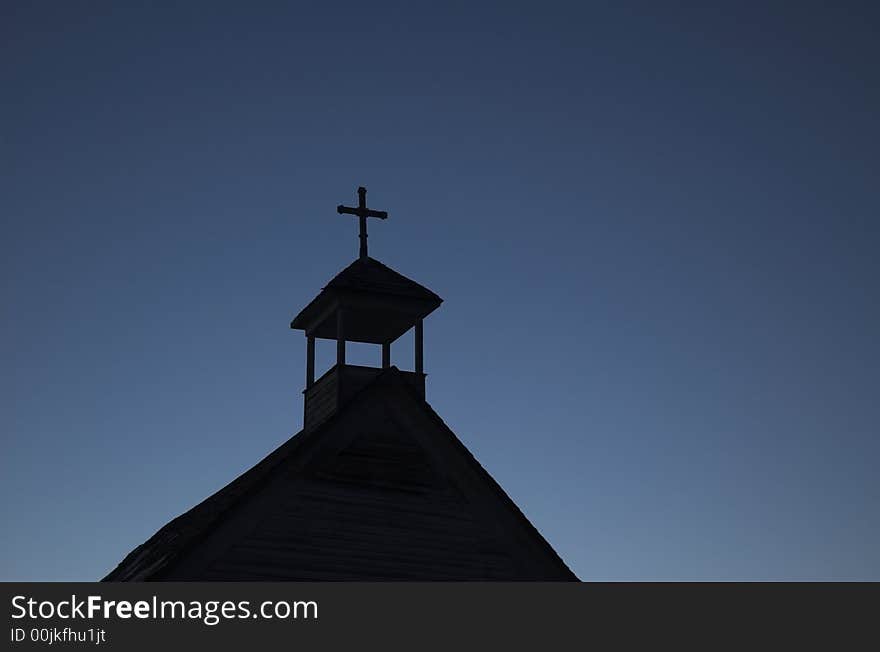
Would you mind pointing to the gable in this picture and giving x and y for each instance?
(383, 491)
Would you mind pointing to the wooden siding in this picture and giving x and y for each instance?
(320, 400)
(326, 395)
(377, 510)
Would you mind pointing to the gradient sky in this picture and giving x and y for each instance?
(654, 226)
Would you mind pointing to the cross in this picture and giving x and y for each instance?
(363, 213)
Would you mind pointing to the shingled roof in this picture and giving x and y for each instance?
(327, 504)
(369, 276)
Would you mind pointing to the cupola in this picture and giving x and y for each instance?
(366, 302)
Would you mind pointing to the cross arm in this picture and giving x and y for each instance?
(348, 210)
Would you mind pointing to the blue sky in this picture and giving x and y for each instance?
(654, 226)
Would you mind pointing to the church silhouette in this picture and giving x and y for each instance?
(375, 487)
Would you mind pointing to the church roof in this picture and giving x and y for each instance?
(382, 490)
(367, 277)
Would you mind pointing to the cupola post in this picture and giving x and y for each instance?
(418, 354)
(310, 360)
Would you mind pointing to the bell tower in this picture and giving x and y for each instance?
(366, 302)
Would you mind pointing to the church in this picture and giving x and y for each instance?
(375, 487)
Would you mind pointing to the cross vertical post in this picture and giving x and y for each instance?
(362, 220)
(362, 213)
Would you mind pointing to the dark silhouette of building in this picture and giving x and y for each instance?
(375, 486)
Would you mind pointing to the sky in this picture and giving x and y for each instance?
(654, 227)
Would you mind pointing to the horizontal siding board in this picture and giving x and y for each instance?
(377, 509)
